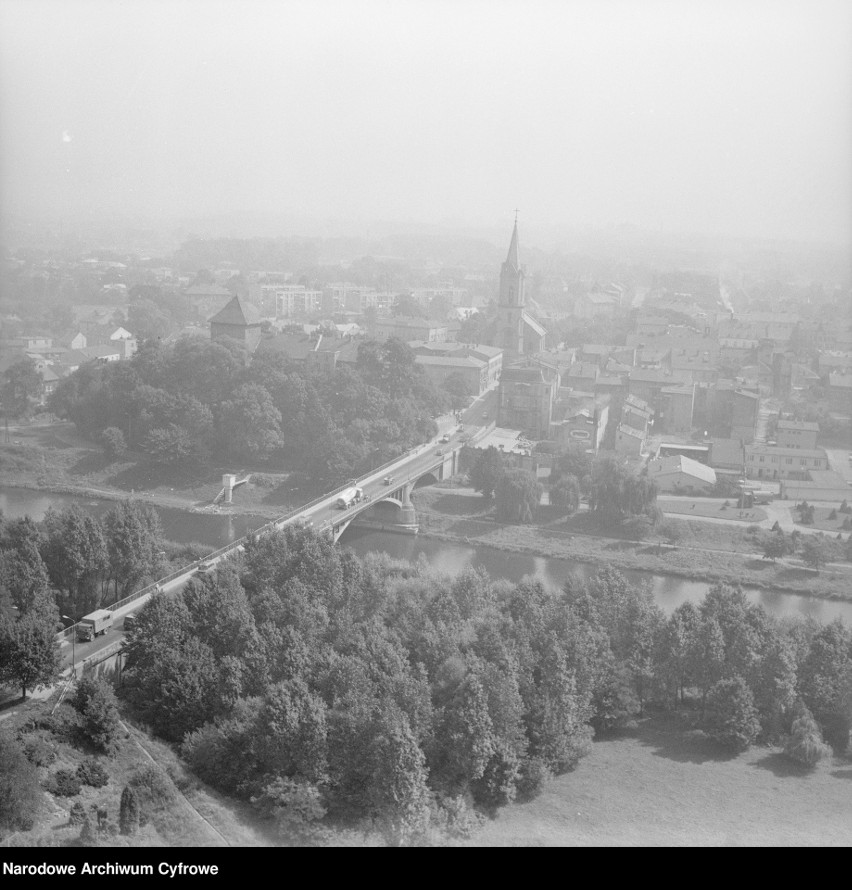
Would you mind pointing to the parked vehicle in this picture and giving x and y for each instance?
(349, 497)
(94, 625)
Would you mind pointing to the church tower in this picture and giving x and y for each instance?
(510, 309)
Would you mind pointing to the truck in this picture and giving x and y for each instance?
(348, 497)
(93, 625)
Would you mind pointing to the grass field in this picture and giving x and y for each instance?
(662, 785)
(712, 509)
(822, 521)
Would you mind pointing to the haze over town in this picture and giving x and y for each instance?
(728, 117)
(424, 424)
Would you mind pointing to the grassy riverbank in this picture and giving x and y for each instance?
(709, 552)
(53, 457)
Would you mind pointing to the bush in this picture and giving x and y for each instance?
(39, 751)
(805, 744)
(535, 774)
(112, 442)
(77, 816)
(64, 783)
(129, 812)
(637, 527)
(153, 790)
(92, 773)
(456, 818)
(731, 718)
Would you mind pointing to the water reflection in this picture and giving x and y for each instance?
(216, 530)
(669, 592)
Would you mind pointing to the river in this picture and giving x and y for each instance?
(217, 530)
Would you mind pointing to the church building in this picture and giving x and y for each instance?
(517, 332)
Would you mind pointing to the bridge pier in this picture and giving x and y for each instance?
(407, 513)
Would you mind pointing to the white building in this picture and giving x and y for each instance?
(681, 475)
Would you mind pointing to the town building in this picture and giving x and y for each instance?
(676, 413)
(681, 475)
(239, 321)
(775, 462)
(526, 398)
(796, 434)
(408, 328)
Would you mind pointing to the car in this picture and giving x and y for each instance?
(387, 480)
(445, 438)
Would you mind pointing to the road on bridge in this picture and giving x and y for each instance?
(322, 513)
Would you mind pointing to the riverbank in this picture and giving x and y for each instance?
(704, 552)
(53, 457)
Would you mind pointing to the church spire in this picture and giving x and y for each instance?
(512, 259)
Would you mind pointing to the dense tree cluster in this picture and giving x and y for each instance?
(78, 562)
(186, 401)
(324, 687)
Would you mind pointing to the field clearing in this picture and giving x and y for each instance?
(659, 785)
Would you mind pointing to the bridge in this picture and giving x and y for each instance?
(386, 504)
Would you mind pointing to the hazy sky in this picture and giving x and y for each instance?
(730, 116)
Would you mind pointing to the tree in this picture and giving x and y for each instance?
(518, 495)
(814, 551)
(805, 744)
(147, 320)
(133, 541)
(29, 652)
(774, 545)
(459, 389)
(250, 423)
(129, 812)
(96, 702)
(618, 495)
(22, 569)
(565, 494)
(731, 718)
(405, 304)
(112, 441)
(824, 681)
(487, 471)
(677, 643)
(20, 388)
(76, 556)
(20, 792)
(399, 796)
(172, 445)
